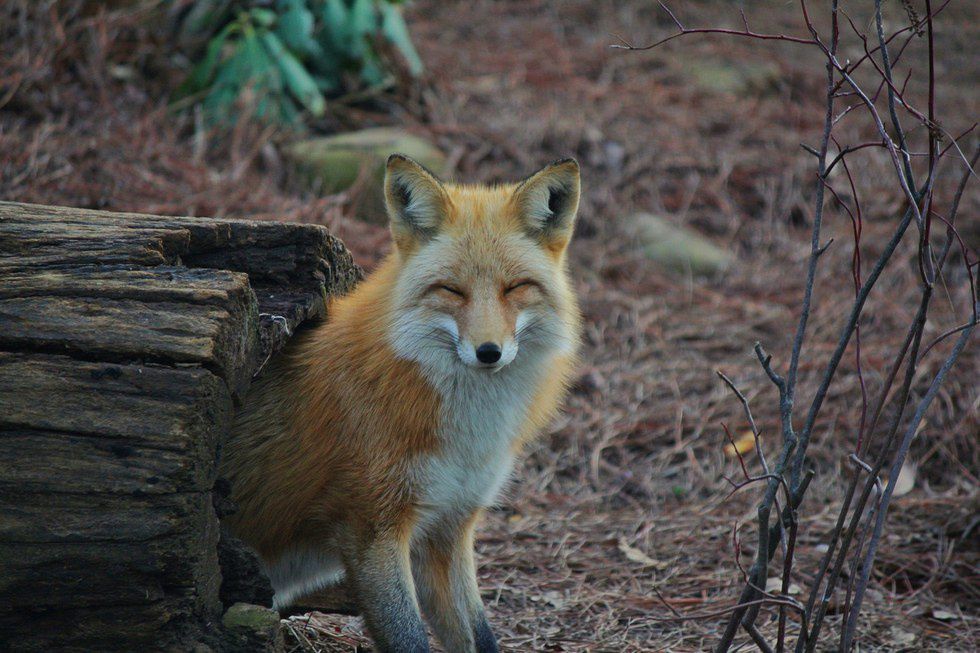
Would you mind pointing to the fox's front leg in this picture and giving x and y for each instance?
(445, 576)
(380, 577)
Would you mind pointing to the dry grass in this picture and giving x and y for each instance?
(635, 465)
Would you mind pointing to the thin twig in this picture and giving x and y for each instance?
(684, 31)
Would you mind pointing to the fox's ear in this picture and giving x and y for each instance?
(416, 201)
(548, 201)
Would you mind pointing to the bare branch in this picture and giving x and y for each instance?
(749, 417)
(684, 31)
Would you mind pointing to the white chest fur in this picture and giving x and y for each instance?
(482, 413)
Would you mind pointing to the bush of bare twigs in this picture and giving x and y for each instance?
(890, 418)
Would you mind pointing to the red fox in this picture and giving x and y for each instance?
(369, 449)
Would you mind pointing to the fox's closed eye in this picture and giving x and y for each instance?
(447, 288)
(524, 283)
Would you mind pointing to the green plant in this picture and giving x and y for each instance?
(290, 53)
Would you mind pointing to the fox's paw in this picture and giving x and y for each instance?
(484, 639)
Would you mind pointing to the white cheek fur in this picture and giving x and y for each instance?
(508, 353)
(412, 333)
(447, 324)
(466, 352)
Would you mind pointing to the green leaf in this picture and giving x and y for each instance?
(371, 71)
(202, 74)
(257, 68)
(217, 104)
(297, 79)
(363, 21)
(336, 33)
(394, 28)
(295, 29)
(288, 111)
(263, 17)
(291, 52)
(242, 67)
(204, 18)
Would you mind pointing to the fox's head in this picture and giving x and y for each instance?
(482, 279)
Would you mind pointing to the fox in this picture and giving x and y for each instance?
(369, 449)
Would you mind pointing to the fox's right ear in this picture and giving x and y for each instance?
(416, 201)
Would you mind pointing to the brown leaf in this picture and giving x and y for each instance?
(635, 555)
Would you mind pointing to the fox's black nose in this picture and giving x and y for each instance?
(488, 352)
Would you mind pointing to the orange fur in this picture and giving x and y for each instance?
(340, 418)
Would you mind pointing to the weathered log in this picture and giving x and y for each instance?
(126, 342)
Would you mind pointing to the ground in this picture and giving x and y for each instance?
(618, 516)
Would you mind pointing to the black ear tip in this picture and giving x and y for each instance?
(397, 158)
(568, 162)
(407, 163)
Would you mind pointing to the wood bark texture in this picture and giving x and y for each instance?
(126, 343)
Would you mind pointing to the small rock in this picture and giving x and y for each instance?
(252, 628)
(335, 163)
(739, 78)
(676, 248)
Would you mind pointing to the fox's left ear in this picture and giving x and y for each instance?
(548, 201)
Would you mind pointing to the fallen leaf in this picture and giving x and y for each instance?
(774, 585)
(902, 636)
(905, 481)
(944, 615)
(555, 599)
(635, 555)
(744, 443)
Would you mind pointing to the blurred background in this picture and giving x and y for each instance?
(691, 246)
